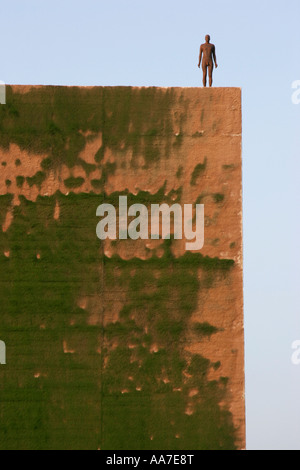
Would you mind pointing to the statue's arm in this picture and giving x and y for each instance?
(214, 56)
(200, 56)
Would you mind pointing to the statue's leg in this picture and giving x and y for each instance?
(204, 69)
(210, 74)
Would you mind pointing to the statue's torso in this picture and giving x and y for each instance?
(207, 53)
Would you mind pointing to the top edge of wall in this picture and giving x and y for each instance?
(122, 86)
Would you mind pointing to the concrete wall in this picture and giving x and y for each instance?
(120, 344)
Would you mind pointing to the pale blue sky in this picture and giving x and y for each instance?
(156, 42)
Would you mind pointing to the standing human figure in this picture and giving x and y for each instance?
(208, 56)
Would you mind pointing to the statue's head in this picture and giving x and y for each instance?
(207, 38)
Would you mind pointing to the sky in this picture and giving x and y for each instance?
(156, 43)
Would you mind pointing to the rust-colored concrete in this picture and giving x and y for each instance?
(210, 125)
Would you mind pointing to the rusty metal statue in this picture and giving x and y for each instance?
(208, 56)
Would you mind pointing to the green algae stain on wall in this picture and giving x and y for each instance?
(46, 392)
(148, 378)
(52, 120)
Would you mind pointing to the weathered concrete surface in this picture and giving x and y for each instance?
(180, 144)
